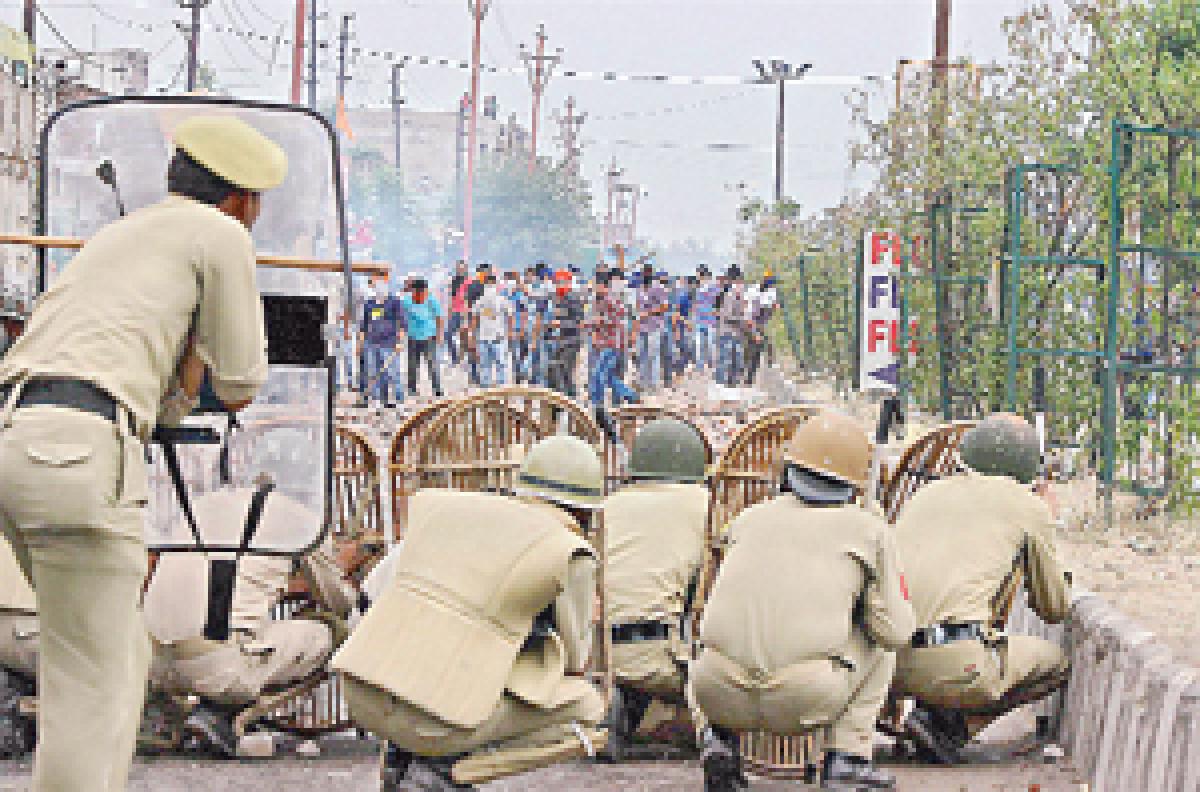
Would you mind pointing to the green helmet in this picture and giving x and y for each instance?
(563, 469)
(668, 449)
(1002, 445)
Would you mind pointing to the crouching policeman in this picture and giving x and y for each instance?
(471, 661)
(655, 531)
(211, 617)
(809, 602)
(965, 544)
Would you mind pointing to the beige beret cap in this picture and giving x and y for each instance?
(234, 150)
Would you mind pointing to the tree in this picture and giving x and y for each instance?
(398, 221)
(523, 216)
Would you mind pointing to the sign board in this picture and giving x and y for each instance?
(879, 311)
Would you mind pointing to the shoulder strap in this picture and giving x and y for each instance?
(222, 572)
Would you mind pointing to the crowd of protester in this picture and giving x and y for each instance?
(612, 336)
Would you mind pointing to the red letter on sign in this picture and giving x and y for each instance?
(877, 332)
(883, 242)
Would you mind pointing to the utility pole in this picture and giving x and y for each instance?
(539, 67)
(941, 65)
(611, 175)
(29, 20)
(193, 52)
(778, 72)
(312, 54)
(478, 9)
(343, 43)
(460, 154)
(397, 105)
(298, 53)
(569, 125)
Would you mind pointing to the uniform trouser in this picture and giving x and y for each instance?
(649, 667)
(513, 724)
(235, 672)
(423, 348)
(19, 642)
(71, 501)
(820, 694)
(977, 680)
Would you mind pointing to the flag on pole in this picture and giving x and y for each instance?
(342, 122)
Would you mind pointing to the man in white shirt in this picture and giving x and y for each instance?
(491, 326)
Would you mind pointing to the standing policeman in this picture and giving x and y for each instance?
(966, 544)
(798, 631)
(118, 344)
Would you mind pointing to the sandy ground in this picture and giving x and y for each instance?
(355, 770)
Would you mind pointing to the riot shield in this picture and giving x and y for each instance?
(104, 158)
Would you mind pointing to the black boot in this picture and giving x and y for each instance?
(212, 731)
(850, 773)
(433, 774)
(938, 740)
(722, 762)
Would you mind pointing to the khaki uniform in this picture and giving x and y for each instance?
(18, 617)
(655, 548)
(961, 542)
(440, 664)
(260, 653)
(783, 650)
(74, 484)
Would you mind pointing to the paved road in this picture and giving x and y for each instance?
(355, 770)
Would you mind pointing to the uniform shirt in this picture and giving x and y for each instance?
(649, 298)
(704, 307)
(655, 534)
(119, 315)
(960, 538)
(608, 322)
(492, 310)
(421, 318)
(794, 581)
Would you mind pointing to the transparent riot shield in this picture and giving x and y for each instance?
(105, 158)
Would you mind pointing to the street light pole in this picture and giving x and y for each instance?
(779, 72)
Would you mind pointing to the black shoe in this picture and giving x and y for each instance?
(433, 775)
(934, 743)
(212, 730)
(842, 771)
(722, 764)
(393, 768)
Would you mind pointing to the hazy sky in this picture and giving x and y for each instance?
(687, 185)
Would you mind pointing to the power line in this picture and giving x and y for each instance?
(674, 109)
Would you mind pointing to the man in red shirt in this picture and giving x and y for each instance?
(457, 299)
(607, 324)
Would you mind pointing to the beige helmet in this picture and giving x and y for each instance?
(563, 469)
(834, 446)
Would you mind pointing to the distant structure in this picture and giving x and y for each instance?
(18, 152)
(114, 72)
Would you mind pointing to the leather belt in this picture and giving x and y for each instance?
(636, 632)
(71, 393)
(942, 634)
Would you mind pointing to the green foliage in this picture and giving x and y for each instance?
(1071, 73)
(522, 216)
(400, 222)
